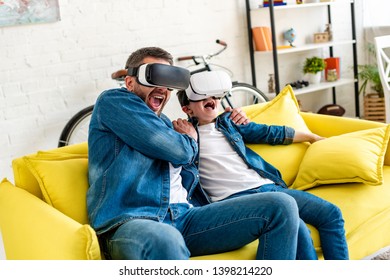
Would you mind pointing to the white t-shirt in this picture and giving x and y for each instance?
(222, 171)
(178, 194)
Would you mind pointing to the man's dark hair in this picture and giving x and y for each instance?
(183, 99)
(135, 59)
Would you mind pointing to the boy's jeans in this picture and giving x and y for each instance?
(218, 227)
(323, 215)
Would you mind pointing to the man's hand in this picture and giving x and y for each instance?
(184, 127)
(238, 116)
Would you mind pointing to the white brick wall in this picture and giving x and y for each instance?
(48, 72)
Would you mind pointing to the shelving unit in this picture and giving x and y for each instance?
(303, 48)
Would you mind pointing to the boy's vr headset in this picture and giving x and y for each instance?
(161, 75)
(207, 84)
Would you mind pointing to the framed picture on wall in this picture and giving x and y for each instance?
(16, 12)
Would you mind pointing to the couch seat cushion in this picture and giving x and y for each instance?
(366, 211)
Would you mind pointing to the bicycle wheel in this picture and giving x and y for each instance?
(76, 130)
(243, 94)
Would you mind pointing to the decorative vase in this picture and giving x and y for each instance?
(314, 79)
(374, 107)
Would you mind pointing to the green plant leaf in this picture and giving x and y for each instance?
(313, 65)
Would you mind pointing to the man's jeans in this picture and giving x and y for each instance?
(215, 228)
(323, 215)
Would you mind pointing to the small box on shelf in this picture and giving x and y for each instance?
(321, 37)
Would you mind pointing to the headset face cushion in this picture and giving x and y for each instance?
(208, 83)
(163, 75)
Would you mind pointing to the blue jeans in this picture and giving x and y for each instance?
(323, 215)
(272, 218)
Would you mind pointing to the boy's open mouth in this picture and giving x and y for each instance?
(210, 104)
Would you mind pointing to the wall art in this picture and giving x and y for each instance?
(16, 12)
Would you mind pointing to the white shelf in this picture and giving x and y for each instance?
(288, 13)
(296, 6)
(323, 85)
(308, 47)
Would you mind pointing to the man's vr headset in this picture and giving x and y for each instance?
(208, 84)
(161, 75)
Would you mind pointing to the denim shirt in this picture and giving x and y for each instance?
(129, 148)
(238, 136)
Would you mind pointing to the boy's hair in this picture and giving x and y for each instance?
(183, 99)
(135, 59)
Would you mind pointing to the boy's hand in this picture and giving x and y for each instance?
(237, 116)
(316, 138)
(301, 136)
(185, 127)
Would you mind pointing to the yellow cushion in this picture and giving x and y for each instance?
(282, 110)
(350, 157)
(63, 180)
(25, 180)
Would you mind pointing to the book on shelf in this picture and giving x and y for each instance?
(262, 38)
(276, 3)
(332, 63)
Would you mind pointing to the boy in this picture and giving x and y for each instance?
(228, 169)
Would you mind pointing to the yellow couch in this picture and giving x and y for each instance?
(44, 216)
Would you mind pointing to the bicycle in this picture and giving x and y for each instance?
(76, 129)
(241, 94)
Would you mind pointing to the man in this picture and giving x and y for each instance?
(228, 169)
(138, 202)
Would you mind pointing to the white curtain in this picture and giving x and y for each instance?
(376, 22)
(376, 18)
(376, 13)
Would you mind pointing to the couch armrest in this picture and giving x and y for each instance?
(327, 126)
(32, 229)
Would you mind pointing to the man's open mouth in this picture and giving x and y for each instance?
(155, 101)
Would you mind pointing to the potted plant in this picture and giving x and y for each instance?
(313, 67)
(373, 99)
(368, 74)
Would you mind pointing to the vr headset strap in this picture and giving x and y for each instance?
(132, 71)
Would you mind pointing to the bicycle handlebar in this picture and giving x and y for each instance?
(223, 43)
(185, 58)
(120, 74)
(204, 57)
